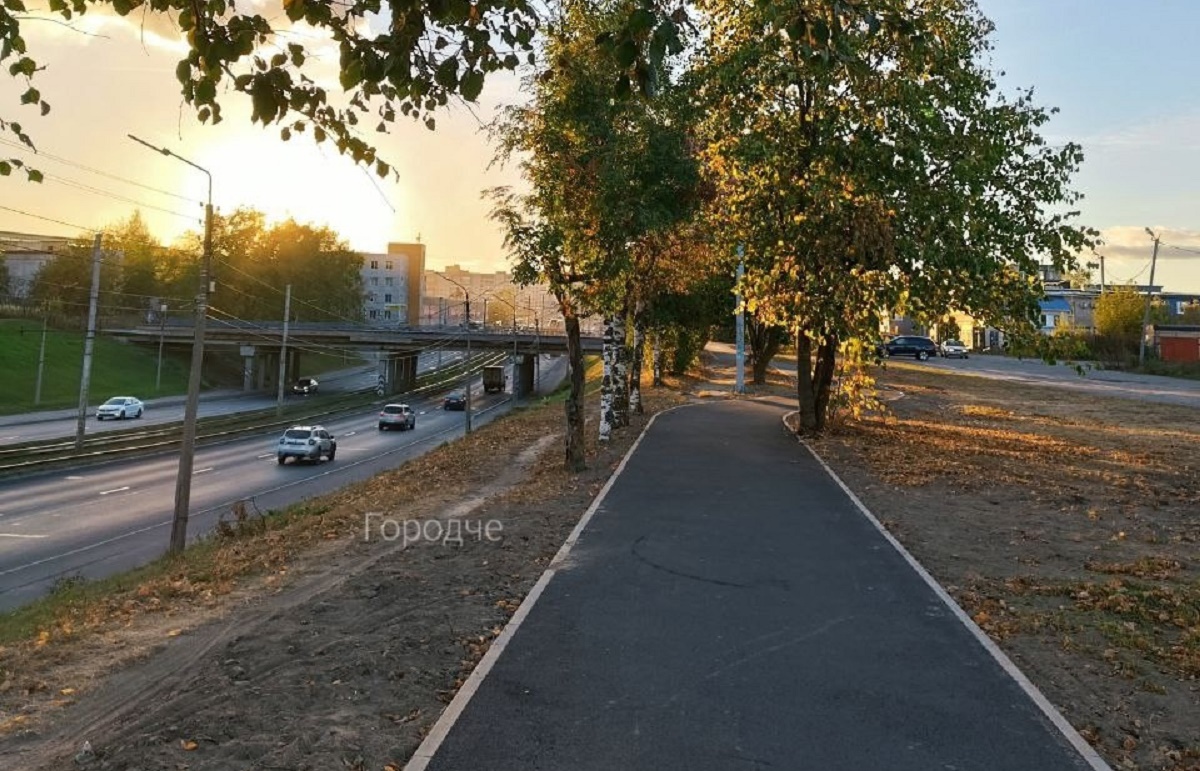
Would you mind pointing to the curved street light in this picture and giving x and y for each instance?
(187, 449)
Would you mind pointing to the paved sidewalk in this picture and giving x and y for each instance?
(729, 607)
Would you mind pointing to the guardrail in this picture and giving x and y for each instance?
(123, 444)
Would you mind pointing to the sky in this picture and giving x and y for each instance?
(1122, 74)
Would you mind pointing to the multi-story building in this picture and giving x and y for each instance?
(24, 255)
(494, 298)
(392, 285)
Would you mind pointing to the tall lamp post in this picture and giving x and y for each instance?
(187, 449)
(467, 390)
(162, 328)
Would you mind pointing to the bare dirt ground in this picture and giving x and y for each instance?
(1067, 526)
(331, 650)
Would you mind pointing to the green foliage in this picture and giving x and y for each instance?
(252, 263)
(1190, 314)
(395, 60)
(864, 157)
(1119, 312)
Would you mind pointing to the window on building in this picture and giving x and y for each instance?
(387, 315)
(374, 264)
(370, 297)
(374, 314)
(387, 298)
(374, 280)
(388, 264)
(388, 281)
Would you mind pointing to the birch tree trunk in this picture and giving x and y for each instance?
(608, 356)
(635, 369)
(620, 380)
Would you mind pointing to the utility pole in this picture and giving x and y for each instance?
(37, 389)
(740, 356)
(287, 315)
(467, 390)
(1149, 291)
(89, 342)
(187, 446)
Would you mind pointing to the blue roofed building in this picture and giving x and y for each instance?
(1056, 314)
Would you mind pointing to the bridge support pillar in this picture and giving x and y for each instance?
(397, 373)
(524, 385)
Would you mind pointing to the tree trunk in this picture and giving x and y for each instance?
(804, 383)
(576, 455)
(620, 380)
(765, 342)
(814, 380)
(635, 368)
(608, 354)
(656, 360)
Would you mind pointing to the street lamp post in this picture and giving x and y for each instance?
(162, 328)
(187, 448)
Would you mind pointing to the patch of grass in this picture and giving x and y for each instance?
(117, 368)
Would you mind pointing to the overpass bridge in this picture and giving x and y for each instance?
(396, 349)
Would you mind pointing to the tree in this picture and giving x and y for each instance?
(5, 289)
(396, 60)
(1119, 313)
(863, 155)
(606, 170)
(253, 262)
(1189, 315)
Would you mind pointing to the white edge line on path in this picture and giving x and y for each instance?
(1049, 710)
(441, 729)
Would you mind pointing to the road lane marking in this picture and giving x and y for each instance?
(19, 535)
(266, 455)
(116, 490)
(201, 470)
(74, 477)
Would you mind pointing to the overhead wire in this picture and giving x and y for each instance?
(85, 167)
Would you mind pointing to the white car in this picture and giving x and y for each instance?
(399, 416)
(307, 443)
(953, 349)
(120, 407)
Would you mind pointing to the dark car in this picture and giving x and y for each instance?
(305, 386)
(910, 345)
(456, 400)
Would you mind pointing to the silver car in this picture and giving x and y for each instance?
(953, 349)
(399, 416)
(120, 407)
(305, 443)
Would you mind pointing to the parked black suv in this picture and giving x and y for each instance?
(909, 345)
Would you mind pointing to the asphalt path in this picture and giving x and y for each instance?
(727, 607)
(104, 519)
(1098, 382)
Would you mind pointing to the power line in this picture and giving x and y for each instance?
(49, 219)
(1182, 249)
(116, 196)
(76, 164)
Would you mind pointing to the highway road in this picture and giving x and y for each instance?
(100, 520)
(60, 424)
